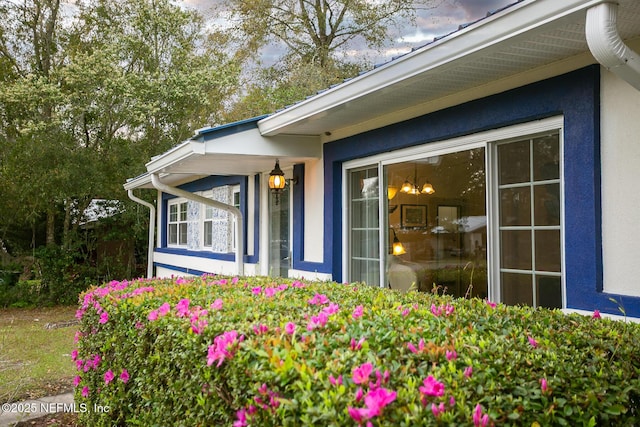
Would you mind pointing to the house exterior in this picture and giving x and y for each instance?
(498, 161)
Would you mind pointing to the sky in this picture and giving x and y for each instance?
(430, 23)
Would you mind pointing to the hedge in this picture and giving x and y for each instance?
(267, 352)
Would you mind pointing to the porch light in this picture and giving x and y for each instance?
(276, 178)
(427, 188)
(397, 247)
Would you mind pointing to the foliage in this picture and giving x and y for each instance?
(256, 351)
(88, 96)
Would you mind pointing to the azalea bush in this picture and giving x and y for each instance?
(261, 352)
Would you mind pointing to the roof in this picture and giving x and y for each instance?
(506, 49)
(525, 42)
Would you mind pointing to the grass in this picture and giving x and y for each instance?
(35, 361)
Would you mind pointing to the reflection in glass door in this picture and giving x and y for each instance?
(279, 233)
(436, 209)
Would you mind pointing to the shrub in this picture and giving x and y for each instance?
(222, 351)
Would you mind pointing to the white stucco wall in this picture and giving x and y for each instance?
(314, 211)
(197, 263)
(620, 150)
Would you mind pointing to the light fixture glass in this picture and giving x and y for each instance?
(406, 187)
(391, 191)
(276, 178)
(427, 188)
(397, 247)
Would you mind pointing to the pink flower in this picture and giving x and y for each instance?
(357, 345)
(596, 314)
(480, 420)
(108, 376)
(432, 387)
(362, 372)
(317, 321)
(413, 348)
(124, 376)
(153, 315)
(377, 399)
(491, 304)
(331, 309)
(260, 329)
(437, 410)
(543, 384)
(85, 391)
(335, 381)
(182, 308)
(269, 292)
(104, 317)
(451, 355)
(468, 371)
(532, 341)
(358, 414)
(76, 380)
(319, 299)
(357, 312)
(164, 309)
(217, 304)
(96, 360)
(290, 328)
(359, 394)
(223, 347)
(256, 290)
(74, 355)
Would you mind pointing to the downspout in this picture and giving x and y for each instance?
(152, 230)
(155, 180)
(607, 46)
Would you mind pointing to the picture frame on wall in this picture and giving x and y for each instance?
(413, 216)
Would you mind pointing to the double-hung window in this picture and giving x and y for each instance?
(178, 223)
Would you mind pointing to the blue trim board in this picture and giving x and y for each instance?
(575, 95)
(180, 269)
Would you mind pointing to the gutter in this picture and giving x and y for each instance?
(607, 46)
(152, 230)
(155, 180)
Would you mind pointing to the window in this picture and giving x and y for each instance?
(529, 221)
(178, 223)
(219, 225)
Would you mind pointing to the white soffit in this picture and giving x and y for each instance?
(524, 36)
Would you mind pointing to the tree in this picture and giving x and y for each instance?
(314, 30)
(86, 98)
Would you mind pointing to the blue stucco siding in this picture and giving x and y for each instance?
(576, 96)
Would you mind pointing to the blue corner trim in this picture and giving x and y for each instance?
(227, 129)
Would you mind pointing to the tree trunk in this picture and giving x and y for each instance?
(51, 227)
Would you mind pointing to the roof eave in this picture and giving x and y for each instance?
(510, 23)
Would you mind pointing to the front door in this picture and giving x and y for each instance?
(279, 233)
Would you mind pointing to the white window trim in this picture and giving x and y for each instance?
(486, 140)
(176, 202)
